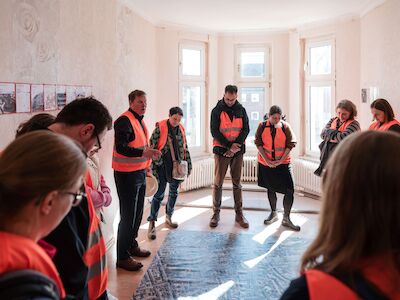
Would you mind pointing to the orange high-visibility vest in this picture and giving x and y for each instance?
(19, 253)
(229, 129)
(124, 163)
(163, 125)
(95, 254)
(276, 146)
(384, 127)
(343, 126)
(322, 286)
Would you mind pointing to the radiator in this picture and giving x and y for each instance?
(250, 169)
(304, 177)
(202, 175)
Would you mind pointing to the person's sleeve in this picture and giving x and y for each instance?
(395, 128)
(216, 134)
(106, 192)
(297, 290)
(290, 137)
(258, 138)
(245, 130)
(69, 256)
(154, 139)
(353, 127)
(124, 134)
(326, 129)
(189, 160)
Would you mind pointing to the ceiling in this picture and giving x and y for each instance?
(247, 15)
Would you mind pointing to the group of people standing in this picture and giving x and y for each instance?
(52, 194)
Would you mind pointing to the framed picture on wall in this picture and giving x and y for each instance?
(71, 93)
(37, 97)
(7, 98)
(61, 96)
(23, 97)
(50, 97)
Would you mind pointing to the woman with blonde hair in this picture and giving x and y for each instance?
(356, 253)
(41, 177)
(384, 116)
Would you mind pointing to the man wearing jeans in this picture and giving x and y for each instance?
(168, 132)
(229, 128)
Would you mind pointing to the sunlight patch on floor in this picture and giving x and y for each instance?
(214, 294)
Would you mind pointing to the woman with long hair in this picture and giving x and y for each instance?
(274, 141)
(41, 177)
(384, 118)
(356, 253)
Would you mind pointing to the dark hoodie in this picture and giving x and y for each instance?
(238, 111)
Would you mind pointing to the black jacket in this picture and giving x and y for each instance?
(238, 111)
(326, 147)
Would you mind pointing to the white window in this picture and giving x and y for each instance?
(319, 91)
(192, 92)
(253, 80)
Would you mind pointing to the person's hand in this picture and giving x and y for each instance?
(277, 163)
(334, 141)
(229, 153)
(151, 153)
(235, 148)
(149, 172)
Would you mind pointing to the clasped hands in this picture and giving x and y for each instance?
(232, 150)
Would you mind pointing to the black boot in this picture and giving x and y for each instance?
(288, 223)
(273, 217)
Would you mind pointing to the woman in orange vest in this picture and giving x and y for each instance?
(169, 132)
(274, 141)
(337, 129)
(383, 116)
(356, 253)
(37, 189)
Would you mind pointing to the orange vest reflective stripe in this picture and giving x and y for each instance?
(343, 126)
(229, 129)
(19, 253)
(322, 286)
(163, 125)
(384, 126)
(124, 163)
(277, 146)
(95, 254)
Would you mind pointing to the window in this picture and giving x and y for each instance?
(192, 92)
(252, 76)
(319, 91)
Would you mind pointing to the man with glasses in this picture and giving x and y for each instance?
(229, 128)
(131, 161)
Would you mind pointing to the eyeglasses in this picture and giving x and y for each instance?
(98, 146)
(78, 197)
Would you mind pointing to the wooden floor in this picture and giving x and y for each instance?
(123, 284)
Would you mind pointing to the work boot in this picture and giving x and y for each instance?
(139, 252)
(288, 223)
(169, 222)
(151, 233)
(241, 220)
(129, 264)
(214, 220)
(273, 217)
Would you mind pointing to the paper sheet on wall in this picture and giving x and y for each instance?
(23, 97)
(7, 98)
(50, 97)
(37, 97)
(71, 93)
(61, 96)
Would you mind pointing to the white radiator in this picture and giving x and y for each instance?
(202, 175)
(250, 169)
(304, 177)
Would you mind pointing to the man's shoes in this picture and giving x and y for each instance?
(241, 220)
(214, 220)
(169, 222)
(151, 233)
(273, 217)
(139, 252)
(129, 264)
(288, 223)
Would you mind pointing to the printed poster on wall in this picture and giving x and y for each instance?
(71, 93)
(37, 97)
(50, 97)
(23, 97)
(61, 96)
(7, 98)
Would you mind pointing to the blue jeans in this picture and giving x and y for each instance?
(159, 196)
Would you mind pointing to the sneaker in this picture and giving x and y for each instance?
(288, 223)
(169, 222)
(273, 217)
(129, 264)
(214, 220)
(151, 233)
(241, 220)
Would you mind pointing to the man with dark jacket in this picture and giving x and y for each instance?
(229, 128)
